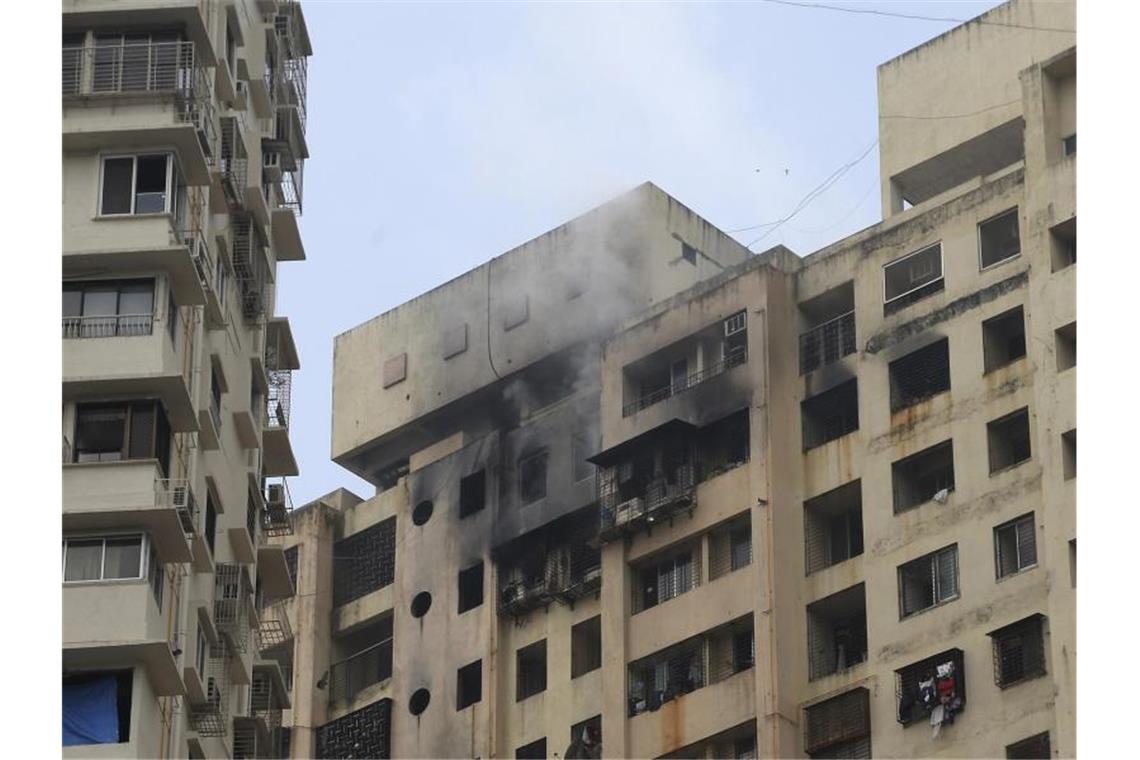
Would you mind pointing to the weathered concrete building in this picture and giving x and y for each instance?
(183, 154)
(643, 494)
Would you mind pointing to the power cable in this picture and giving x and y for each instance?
(917, 17)
(951, 115)
(848, 215)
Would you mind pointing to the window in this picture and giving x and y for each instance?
(108, 308)
(535, 750)
(744, 748)
(840, 726)
(1019, 651)
(837, 632)
(103, 558)
(940, 679)
(928, 581)
(998, 238)
(137, 185)
(1033, 748)
(1069, 454)
(202, 648)
(920, 375)
(171, 315)
(833, 527)
(662, 580)
(586, 646)
(472, 493)
(912, 278)
(1069, 145)
(830, 415)
(688, 253)
(924, 476)
(1063, 244)
(469, 685)
(157, 575)
(97, 707)
(211, 521)
(137, 62)
(113, 432)
(470, 588)
(530, 666)
(741, 547)
(1008, 440)
(1066, 345)
(216, 389)
(1073, 562)
(532, 478)
(587, 735)
(580, 448)
(1015, 546)
(730, 546)
(291, 556)
(1003, 339)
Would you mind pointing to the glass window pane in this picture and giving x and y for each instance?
(117, 174)
(122, 558)
(150, 185)
(137, 298)
(83, 560)
(99, 434)
(72, 301)
(142, 430)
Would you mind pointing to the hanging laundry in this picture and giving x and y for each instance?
(936, 717)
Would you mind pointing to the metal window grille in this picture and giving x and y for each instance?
(665, 579)
(364, 562)
(1019, 651)
(274, 628)
(730, 547)
(909, 691)
(830, 415)
(291, 556)
(1016, 546)
(928, 580)
(837, 633)
(683, 383)
(210, 717)
(827, 343)
(1031, 748)
(667, 675)
(840, 722)
(349, 677)
(833, 528)
(276, 519)
(366, 732)
(920, 375)
(232, 591)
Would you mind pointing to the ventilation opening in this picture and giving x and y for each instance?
(422, 513)
(1066, 343)
(833, 527)
(469, 685)
(998, 238)
(927, 475)
(920, 375)
(586, 646)
(470, 588)
(472, 493)
(830, 415)
(837, 632)
(419, 701)
(421, 603)
(1003, 339)
(1008, 440)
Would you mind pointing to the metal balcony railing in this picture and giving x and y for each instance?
(171, 493)
(231, 604)
(110, 326)
(277, 399)
(209, 718)
(274, 628)
(349, 677)
(275, 519)
(827, 343)
(734, 359)
(663, 496)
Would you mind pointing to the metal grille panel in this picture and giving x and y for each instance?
(836, 723)
(364, 562)
(366, 732)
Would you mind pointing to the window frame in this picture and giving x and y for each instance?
(173, 173)
(161, 432)
(1013, 524)
(1016, 211)
(936, 583)
(120, 286)
(542, 455)
(145, 543)
(895, 262)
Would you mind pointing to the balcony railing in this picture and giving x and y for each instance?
(277, 399)
(231, 604)
(274, 628)
(827, 343)
(691, 381)
(662, 498)
(109, 326)
(275, 519)
(349, 677)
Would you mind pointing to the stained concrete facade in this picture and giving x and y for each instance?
(183, 153)
(747, 508)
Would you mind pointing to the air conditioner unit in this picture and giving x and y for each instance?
(275, 495)
(627, 510)
(735, 324)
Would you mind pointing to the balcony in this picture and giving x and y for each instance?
(685, 383)
(278, 451)
(827, 343)
(138, 96)
(663, 497)
(274, 629)
(130, 494)
(194, 17)
(213, 277)
(234, 615)
(369, 666)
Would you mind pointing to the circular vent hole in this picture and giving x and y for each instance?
(421, 603)
(419, 701)
(422, 513)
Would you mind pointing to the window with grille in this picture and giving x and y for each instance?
(665, 579)
(1015, 545)
(730, 547)
(928, 581)
(530, 670)
(833, 527)
(912, 278)
(920, 375)
(840, 726)
(291, 556)
(1033, 748)
(998, 238)
(364, 562)
(366, 732)
(837, 632)
(923, 684)
(1019, 651)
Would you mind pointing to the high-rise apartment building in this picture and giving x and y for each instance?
(641, 493)
(183, 157)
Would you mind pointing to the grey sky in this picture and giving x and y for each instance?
(444, 134)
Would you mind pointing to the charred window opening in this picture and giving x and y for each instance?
(97, 707)
(837, 632)
(1065, 339)
(723, 445)
(920, 375)
(999, 239)
(585, 738)
(532, 477)
(422, 512)
(912, 278)
(663, 579)
(364, 562)
(928, 581)
(530, 670)
(1063, 244)
(388, 476)
(554, 563)
(586, 646)
(581, 446)
(1009, 440)
(470, 588)
(1003, 339)
(647, 485)
(1069, 145)
(1015, 546)
(536, 750)
(833, 527)
(840, 726)
(938, 681)
(1030, 749)
(1019, 651)
(1069, 454)
(927, 475)
(830, 328)
(830, 415)
(469, 685)
(472, 493)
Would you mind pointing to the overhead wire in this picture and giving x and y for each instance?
(918, 17)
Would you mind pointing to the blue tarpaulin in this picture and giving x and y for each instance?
(91, 711)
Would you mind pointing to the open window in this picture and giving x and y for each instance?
(999, 239)
(829, 327)
(143, 184)
(837, 632)
(125, 430)
(830, 415)
(97, 707)
(912, 278)
(536, 750)
(833, 527)
(920, 375)
(472, 493)
(103, 558)
(470, 588)
(927, 475)
(928, 581)
(1069, 454)
(532, 477)
(1066, 345)
(1015, 546)
(585, 738)
(730, 546)
(586, 646)
(666, 577)
(530, 670)
(469, 685)
(1063, 244)
(1003, 339)
(1019, 651)
(1008, 438)
(1033, 748)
